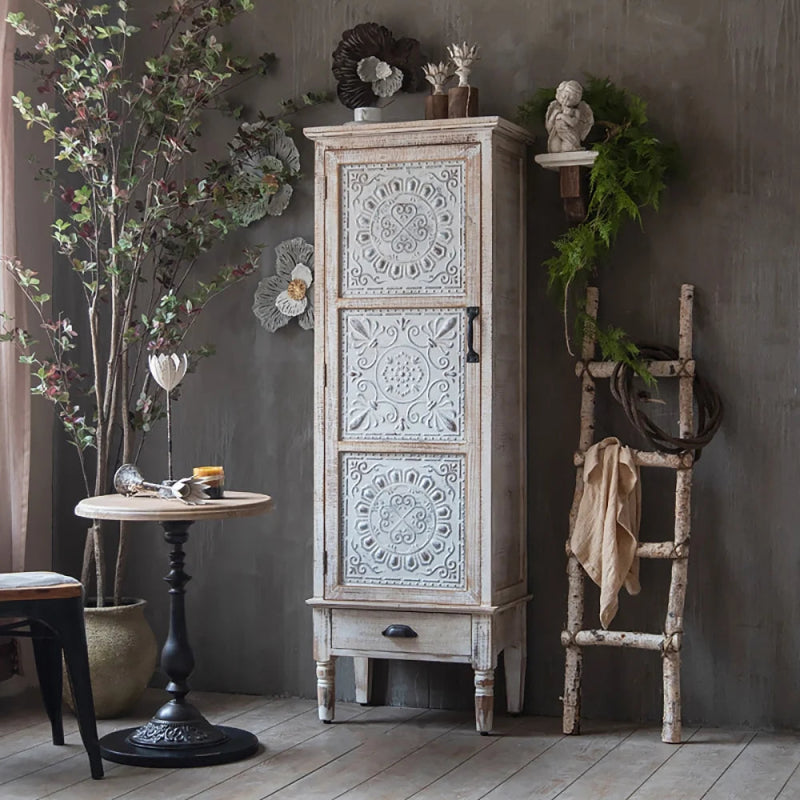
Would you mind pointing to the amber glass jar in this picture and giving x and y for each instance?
(214, 479)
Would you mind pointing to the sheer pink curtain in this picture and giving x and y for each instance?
(15, 416)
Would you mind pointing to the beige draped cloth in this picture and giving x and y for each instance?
(15, 421)
(606, 533)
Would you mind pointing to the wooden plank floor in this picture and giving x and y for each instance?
(373, 753)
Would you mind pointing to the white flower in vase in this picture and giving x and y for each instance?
(463, 56)
(437, 75)
(168, 370)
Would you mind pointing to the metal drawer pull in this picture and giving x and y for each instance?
(472, 356)
(400, 632)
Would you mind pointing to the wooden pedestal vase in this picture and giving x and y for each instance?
(436, 106)
(462, 101)
(122, 657)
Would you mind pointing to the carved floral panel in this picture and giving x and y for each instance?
(403, 375)
(403, 228)
(403, 520)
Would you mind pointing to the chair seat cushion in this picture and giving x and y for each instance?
(37, 584)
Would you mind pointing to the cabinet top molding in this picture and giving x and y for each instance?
(369, 130)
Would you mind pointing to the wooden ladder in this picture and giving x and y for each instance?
(669, 642)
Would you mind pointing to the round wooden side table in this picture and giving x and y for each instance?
(178, 735)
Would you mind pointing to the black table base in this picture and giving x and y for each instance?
(237, 744)
(178, 735)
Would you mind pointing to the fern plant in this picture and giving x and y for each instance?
(629, 174)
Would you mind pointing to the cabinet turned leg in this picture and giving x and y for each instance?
(362, 667)
(484, 700)
(326, 689)
(514, 662)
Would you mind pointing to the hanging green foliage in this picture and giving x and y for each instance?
(628, 175)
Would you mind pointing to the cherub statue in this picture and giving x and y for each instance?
(568, 120)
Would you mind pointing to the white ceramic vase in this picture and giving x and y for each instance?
(368, 114)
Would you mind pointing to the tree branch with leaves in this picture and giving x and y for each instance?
(134, 227)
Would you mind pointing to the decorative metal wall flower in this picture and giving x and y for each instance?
(265, 156)
(287, 294)
(368, 64)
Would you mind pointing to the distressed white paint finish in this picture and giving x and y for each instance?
(403, 520)
(362, 672)
(403, 374)
(435, 634)
(403, 228)
(420, 454)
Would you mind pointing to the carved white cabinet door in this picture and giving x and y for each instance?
(403, 396)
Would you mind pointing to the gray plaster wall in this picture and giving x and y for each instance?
(721, 78)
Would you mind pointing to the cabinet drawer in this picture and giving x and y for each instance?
(437, 634)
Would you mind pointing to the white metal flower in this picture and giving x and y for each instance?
(168, 370)
(438, 74)
(288, 294)
(293, 300)
(463, 56)
(191, 491)
(385, 79)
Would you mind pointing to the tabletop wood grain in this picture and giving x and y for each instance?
(156, 509)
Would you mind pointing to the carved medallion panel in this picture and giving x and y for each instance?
(403, 520)
(403, 375)
(403, 228)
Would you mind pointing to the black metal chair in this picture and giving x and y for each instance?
(48, 608)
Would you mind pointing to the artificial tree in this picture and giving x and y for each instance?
(134, 226)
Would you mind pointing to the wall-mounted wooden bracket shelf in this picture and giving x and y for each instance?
(569, 166)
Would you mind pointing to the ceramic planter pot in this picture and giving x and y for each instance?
(122, 656)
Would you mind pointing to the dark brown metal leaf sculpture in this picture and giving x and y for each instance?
(372, 39)
(408, 57)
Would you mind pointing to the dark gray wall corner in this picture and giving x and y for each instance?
(721, 78)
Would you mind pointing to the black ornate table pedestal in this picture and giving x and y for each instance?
(178, 735)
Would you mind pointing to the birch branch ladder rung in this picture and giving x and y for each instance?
(658, 369)
(631, 639)
(667, 643)
(656, 550)
(650, 458)
(663, 550)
